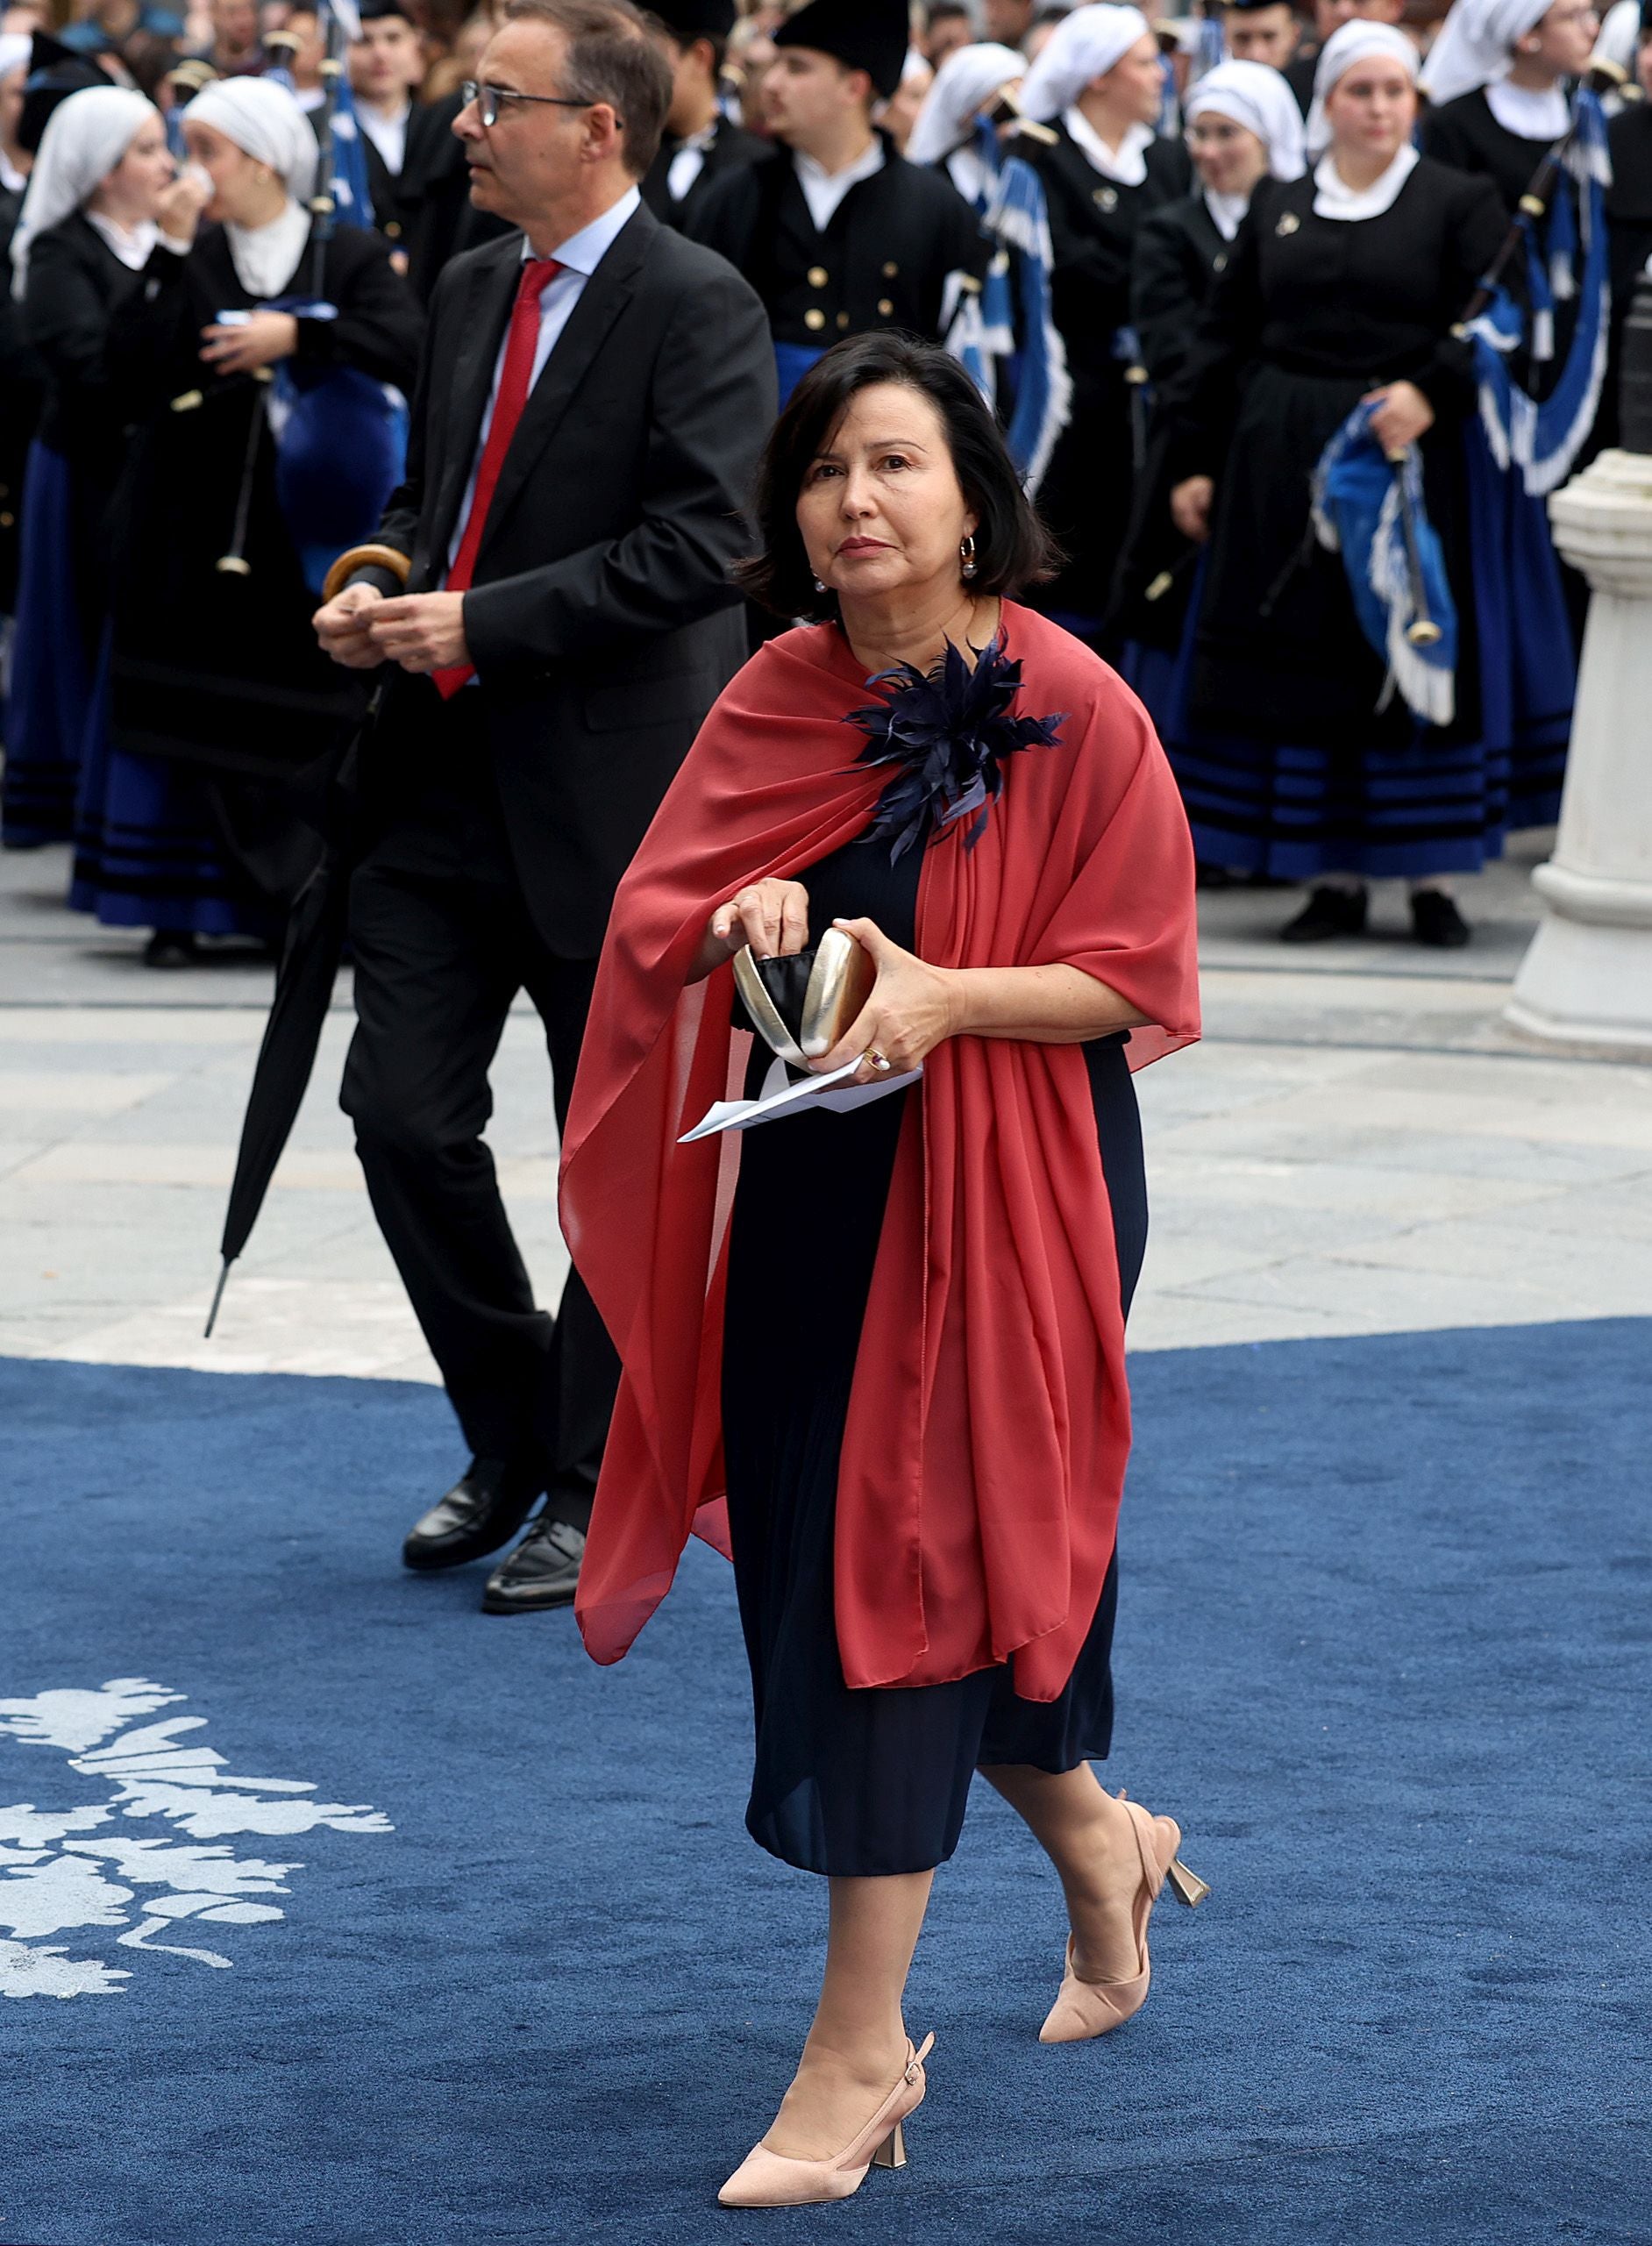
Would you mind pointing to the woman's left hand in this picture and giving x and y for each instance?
(258, 342)
(1403, 415)
(913, 1009)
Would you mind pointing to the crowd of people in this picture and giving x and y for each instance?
(652, 510)
(1053, 194)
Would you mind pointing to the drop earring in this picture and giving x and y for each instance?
(967, 557)
(820, 584)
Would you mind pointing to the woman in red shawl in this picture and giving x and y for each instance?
(892, 1339)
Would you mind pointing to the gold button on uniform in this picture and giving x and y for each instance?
(890, 270)
(843, 319)
(884, 306)
(817, 276)
(813, 319)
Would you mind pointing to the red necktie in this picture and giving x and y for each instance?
(514, 383)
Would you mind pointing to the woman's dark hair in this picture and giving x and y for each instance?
(1013, 549)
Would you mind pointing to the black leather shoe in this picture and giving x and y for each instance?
(484, 1509)
(171, 947)
(1328, 912)
(544, 1571)
(1435, 921)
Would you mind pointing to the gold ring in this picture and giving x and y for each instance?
(880, 1061)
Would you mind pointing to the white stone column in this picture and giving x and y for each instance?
(1587, 978)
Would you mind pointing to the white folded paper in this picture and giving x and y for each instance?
(781, 1097)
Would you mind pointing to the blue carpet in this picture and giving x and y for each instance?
(1384, 1649)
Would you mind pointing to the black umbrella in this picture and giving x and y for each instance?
(310, 953)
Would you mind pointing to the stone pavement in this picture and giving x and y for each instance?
(1359, 1146)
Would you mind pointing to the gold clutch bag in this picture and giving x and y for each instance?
(801, 1005)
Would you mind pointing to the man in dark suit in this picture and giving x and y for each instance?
(589, 410)
(700, 144)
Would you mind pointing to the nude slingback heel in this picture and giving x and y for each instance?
(776, 2179)
(1083, 2009)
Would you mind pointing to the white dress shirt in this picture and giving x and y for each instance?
(1127, 163)
(1226, 211)
(388, 134)
(267, 258)
(134, 248)
(578, 257)
(688, 162)
(1334, 198)
(824, 190)
(970, 176)
(1533, 112)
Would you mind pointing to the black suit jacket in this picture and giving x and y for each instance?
(602, 620)
(397, 196)
(732, 149)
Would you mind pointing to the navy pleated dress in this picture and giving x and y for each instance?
(867, 1781)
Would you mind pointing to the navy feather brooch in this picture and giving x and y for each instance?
(947, 734)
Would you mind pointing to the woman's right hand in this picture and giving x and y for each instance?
(178, 208)
(771, 916)
(1190, 507)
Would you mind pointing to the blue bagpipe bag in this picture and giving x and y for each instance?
(340, 450)
(1357, 513)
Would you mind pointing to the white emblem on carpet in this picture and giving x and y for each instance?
(143, 1881)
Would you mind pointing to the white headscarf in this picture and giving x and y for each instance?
(85, 137)
(264, 119)
(1352, 44)
(1255, 96)
(968, 78)
(1475, 46)
(1084, 45)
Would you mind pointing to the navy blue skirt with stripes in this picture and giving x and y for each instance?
(1291, 759)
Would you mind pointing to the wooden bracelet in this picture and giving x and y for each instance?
(365, 557)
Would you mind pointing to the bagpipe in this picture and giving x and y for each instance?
(1367, 505)
(339, 435)
(1010, 319)
(1541, 437)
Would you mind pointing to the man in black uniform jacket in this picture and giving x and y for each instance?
(836, 232)
(400, 138)
(589, 410)
(700, 145)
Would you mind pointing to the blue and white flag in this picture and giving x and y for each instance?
(1357, 513)
(1019, 221)
(352, 197)
(1542, 440)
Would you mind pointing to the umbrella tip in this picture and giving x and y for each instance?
(217, 1298)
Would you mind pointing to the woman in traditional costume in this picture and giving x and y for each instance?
(219, 692)
(1298, 758)
(917, 1465)
(1241, 124)
(1502, 79)
(1099, 87)
(1007, 336)
(84, 238)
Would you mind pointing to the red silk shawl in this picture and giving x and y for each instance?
(989, 1421)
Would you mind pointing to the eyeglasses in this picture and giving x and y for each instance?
(491, 101)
